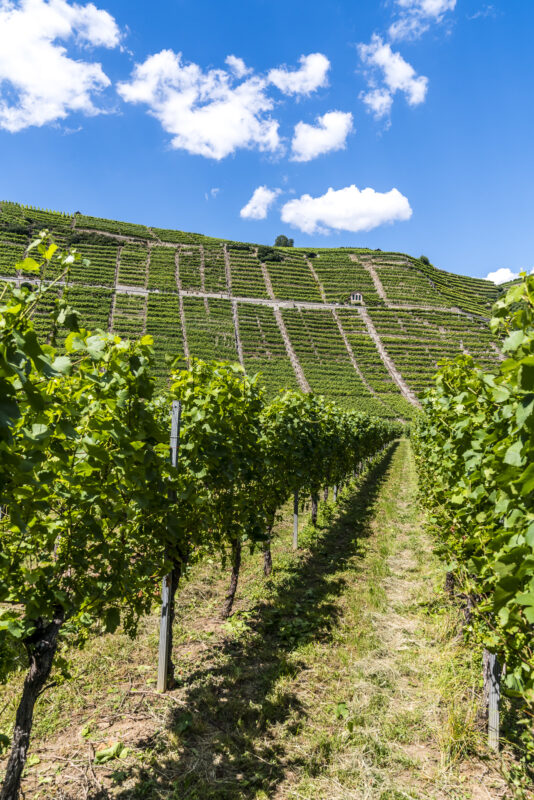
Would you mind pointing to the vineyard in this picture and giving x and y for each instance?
(474, 446)
(279, 556)
(284, 312)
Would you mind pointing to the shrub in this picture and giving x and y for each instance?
(269, 254)
(81, 237)
(240, 246)
(424, 260)
(18, 227)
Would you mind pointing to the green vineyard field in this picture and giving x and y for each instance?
(288, 316)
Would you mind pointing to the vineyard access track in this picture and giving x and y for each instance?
(388, 363)
(351, 354)
(272, 302)
(366, 264)
(238, 343)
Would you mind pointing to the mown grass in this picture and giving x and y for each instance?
(340, 676)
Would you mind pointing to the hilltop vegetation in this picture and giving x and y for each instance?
(285, 312)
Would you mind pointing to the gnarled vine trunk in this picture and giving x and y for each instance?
(314, 507)
(236, 565)
(267, 557)
(41, 647)
(326, 494)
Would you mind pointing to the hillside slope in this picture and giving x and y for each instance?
(283, 312)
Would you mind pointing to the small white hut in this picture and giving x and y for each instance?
(356, 297)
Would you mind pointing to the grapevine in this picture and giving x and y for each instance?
(475, 450)
(93, 514)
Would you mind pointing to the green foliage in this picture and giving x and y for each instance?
(241, 458)
(82, 474)
(424, 260)
(219, 464)
(84, 237)
(116, 750)
(475, 446)
(269, 254)
(248, 248)
(283, 241)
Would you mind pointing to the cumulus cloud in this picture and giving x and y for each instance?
(312, 75)
(215, 112)
(329, 134)
(503, 275)
(207, 113)
(416, 16)
(39, 82)
(238, 66)
(389, 68)
(260, 203)
(348, 209)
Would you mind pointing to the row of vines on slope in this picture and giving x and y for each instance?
(94, 515)
(475, 450)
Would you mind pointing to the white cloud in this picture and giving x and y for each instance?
(348, 209)
(379, 101)
(238, 66)
(206, 113)
(484, 12)
(503, 275)
(311, 75)
(260, 203)
(39, 82)
(416, 16)
(329, 134)
(396, 75)
(213, 113)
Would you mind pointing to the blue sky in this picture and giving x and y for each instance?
(425, 104)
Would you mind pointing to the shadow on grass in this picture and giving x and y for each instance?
(223, 740)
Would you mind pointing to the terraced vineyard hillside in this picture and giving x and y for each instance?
(283, 312)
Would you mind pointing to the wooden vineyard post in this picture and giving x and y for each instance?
(166, 589)
(492, 696)
(295, 521)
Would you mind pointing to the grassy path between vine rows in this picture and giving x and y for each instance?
(342, 676)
